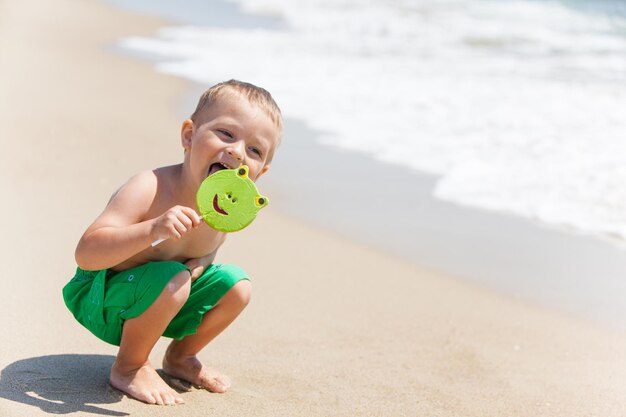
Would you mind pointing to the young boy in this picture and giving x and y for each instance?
(129, 293)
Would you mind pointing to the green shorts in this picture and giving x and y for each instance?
(102, 300)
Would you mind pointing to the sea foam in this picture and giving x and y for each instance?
(516, 106)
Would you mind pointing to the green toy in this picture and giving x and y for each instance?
(228, 200)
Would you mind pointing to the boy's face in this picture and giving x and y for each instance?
(230, 133)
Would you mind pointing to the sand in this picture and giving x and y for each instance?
(335, 328)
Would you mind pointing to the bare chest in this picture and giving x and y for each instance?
(194, 244)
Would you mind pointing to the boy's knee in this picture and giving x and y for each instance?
(179, 287)
(241, 293)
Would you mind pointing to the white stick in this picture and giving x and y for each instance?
(156, 242)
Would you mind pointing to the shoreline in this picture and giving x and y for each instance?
(335, 327)
(392, 209)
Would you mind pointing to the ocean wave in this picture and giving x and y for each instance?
(516, 106)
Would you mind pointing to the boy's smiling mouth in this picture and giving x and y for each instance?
(218, 166)
(217, 208)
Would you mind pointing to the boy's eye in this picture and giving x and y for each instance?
(226, 133)
(256, 151)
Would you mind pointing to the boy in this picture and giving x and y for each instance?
(129, 294)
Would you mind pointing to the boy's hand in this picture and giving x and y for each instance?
(175, 222)
(198, 265)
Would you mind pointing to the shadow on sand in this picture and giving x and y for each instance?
(62, 384)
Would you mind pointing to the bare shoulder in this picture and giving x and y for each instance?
(141, 187)
(130, 202)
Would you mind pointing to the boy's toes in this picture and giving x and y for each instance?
(224, 382)
(175, 399)
(218, 384)
(158, 398)
(172, 398)
(147, 397)
(166, 399)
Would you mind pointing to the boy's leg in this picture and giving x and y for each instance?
(132, 372)
(181, 360)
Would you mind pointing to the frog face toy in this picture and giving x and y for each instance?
(228, 200)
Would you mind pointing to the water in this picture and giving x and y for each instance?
(514, 106)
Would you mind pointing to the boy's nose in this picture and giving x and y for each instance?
(236, 151)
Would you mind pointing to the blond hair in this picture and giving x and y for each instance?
(255, 95)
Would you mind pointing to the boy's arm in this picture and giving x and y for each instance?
(120, 231)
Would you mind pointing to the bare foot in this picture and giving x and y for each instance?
(189, 368)
(144, 384)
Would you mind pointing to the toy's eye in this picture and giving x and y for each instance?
(243, 171)
(261, 201)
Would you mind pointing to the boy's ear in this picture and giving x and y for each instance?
(186, 133)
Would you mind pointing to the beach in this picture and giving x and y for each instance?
(337, 326)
